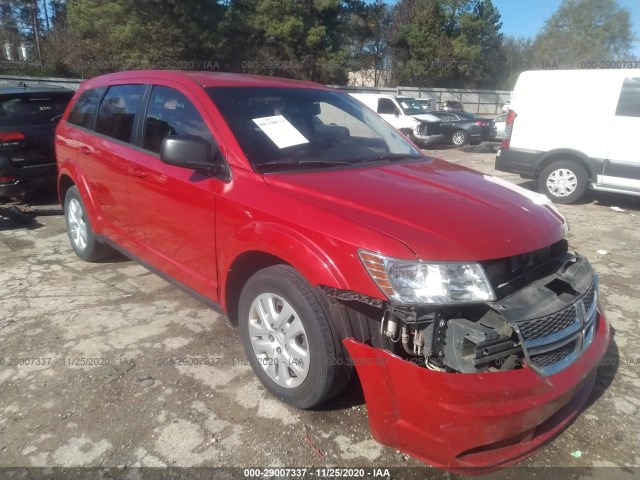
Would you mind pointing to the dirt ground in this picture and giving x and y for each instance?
(105, 394)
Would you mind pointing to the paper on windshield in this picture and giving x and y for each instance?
(280, 131)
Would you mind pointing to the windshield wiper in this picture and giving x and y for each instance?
(303, 163)
(389, 157)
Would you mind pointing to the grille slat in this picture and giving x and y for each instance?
(543, 326)
(589, 297)
(545, 359)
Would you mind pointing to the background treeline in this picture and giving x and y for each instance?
(438, 43)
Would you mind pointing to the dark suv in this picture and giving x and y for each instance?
(28, 117)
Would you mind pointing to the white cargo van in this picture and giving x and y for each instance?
(575, 129)
(405, 114)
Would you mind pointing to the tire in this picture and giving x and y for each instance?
(83, 239)
(303, 342)
(563, 181)
(459, 138)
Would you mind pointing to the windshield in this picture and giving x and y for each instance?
(293, 128)
(410, 106)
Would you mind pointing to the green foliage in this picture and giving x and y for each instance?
(123, 34)
(585, 30)
(518, 56)
(439, 43)
(447, 43)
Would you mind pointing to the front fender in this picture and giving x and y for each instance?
(291, 246)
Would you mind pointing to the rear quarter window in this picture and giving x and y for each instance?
(32, 108)
(629, 101)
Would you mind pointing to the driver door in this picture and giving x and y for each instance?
(174, 207)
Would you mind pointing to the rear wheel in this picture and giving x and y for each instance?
(563, 181)
(459, 138)
(287, 337)
(83, 239)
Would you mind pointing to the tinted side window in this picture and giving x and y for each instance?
(84, 110)
(171, 113)
(32, 108)
(629, 101)
(118, 110)
(386, 105)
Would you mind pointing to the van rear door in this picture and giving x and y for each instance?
(622, 168)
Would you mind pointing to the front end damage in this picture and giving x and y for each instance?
(483, 385)
(428, 133)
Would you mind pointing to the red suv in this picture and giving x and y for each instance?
(339, 249)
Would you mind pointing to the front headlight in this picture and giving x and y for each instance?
(404, 281)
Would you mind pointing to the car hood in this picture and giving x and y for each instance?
(441, 211)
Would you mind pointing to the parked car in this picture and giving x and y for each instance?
(566, 157)
(487, 126)
(406, 115)
(461, 128)
(28, 116)
(333, 243)
(452, 106)
(457, 130)
(500, 123)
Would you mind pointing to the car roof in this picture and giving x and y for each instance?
(37, 88)
(205, 79)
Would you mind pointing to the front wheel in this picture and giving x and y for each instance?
(563, 181)
(287, 337)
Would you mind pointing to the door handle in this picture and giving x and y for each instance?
(137, 172)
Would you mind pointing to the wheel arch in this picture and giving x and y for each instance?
(590, 166)
(241, 269)
(65, 182)
(71, 176)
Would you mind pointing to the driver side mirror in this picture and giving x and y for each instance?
(190, 151)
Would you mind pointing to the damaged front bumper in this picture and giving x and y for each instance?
(472, 418)
(471, 423)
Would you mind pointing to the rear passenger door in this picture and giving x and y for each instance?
(173, 208)
(622, 168)
(104, 157)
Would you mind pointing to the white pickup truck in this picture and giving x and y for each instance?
(405, 114)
